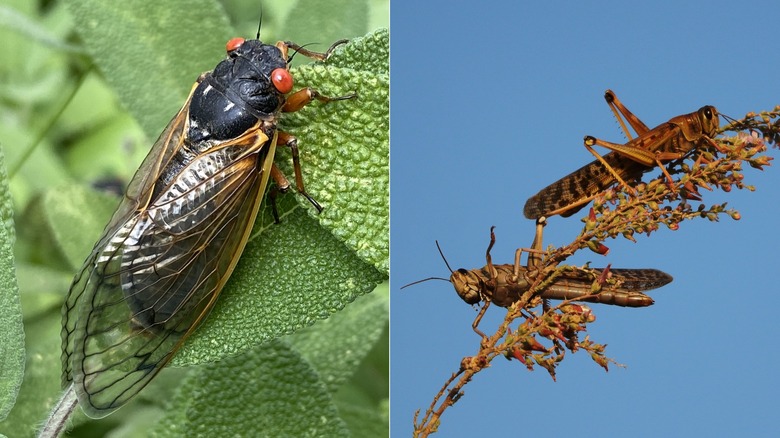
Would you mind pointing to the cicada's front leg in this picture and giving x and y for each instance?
(295, 102)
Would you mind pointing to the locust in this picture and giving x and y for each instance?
(173, 242)
(666, 142)
(506, 284)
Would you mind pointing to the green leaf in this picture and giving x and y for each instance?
(41, 377)
(12, 19)
(364, 401)
(31, 71)
(151, 52)
(46, 172)
(370, 54)
(290, 275)
(41, 288)
(351, 334)
(345, 146)
(76, 216)
(365, 420)
(320, 23)
(109, 152)
(268, 391)
(350, 353)
(6, 203)
(12, 341)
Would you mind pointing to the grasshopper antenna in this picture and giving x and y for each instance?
(424, 280)
(432, 278)
(442, 256)
(730, 120)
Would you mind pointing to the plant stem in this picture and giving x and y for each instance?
(58, 418)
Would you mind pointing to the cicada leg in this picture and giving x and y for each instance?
(295, 102)
(305, 96)
(284, 46)
(282, 183)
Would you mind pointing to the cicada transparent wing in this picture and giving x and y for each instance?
(141, 185)
(158, 270)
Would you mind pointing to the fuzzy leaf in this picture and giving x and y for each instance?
(350, 335)
(77, 223)
(345, 146)
(365, 420)
(6, 203)
(290, 275)
(267, 391)
(151, 52)
(12, 19)
(41, 377)
(12, 341)
(320, 23)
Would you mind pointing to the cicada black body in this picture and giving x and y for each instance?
(178, 233)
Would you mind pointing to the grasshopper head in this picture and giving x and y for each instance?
(695, 126)
(468, 285)
(708, 117)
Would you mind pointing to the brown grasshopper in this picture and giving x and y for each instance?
(505, 284)
(652, 147)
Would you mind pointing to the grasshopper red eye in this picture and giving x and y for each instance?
(234, 43)
(282, 80)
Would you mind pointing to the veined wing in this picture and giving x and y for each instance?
(640, 280)
(158, 270)
(142, 185)
(629, 293)
(578, 188)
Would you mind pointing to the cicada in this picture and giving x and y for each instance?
(176, 237)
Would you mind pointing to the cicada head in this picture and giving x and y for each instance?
(247, 87)
(259, 73)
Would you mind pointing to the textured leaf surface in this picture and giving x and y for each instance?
(269, 391)
(12, 340)
(338, 345)
(345, 146)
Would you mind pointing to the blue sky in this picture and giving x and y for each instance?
(490, 102)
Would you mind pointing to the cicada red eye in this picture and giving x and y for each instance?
(234, 43)
(282, 80)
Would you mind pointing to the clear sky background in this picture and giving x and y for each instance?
(490, 102)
